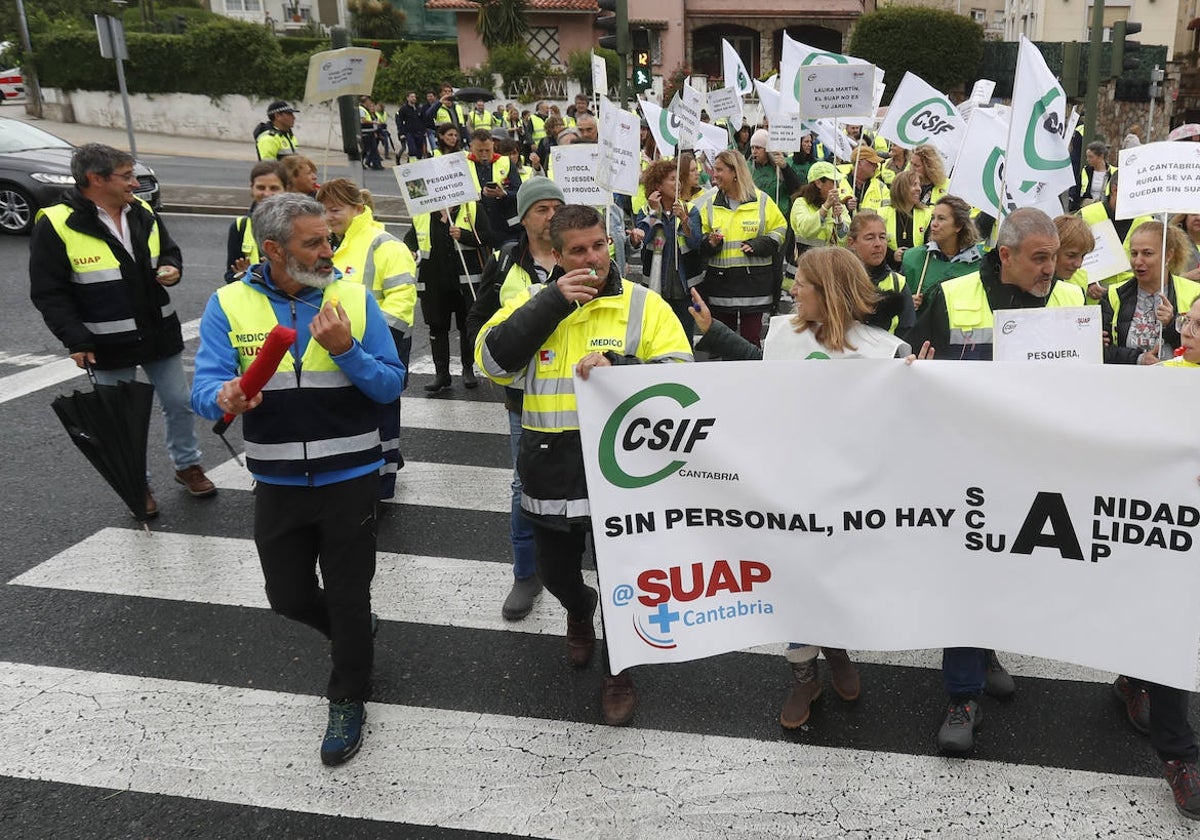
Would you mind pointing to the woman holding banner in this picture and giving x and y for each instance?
(951, 249)
(840, 314)
(906, 217)
(743, 231)
(927, 163)
(1140, 314)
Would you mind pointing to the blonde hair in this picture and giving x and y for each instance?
(932, 161)
(1073, 232)
(1177, 243)
(847, 294)
(745, 181)
(345, 192)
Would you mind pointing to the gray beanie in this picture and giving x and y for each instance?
(538, 188)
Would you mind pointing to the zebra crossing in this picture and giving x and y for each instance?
(157, 675)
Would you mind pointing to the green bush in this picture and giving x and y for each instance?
(579, 66)
(514, 61)
(950, 45)
(418, 67)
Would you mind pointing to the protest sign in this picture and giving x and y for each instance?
(1059, 334)
(730, 512)
(837, 90)
(725, 103)
(349, 71)
(599, 75)
(688, 107)
(784, 133)
(573, 168)
(1108, 258)
(436, 183)
(618, 168)
(1158, 178)
(797, 56)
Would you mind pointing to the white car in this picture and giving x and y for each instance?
(12, 84)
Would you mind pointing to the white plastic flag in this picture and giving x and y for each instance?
(663, 125)
(1037, 144)
(734, 69)
(920, 114)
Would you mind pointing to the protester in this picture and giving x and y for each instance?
(1189, 341)
(539, 338)
(275, 139)
(410, 129)
(267, 178)
(507, 275)
(301, 175)
(818, 216)
(907, 219)
(1189, 223)
(369, 131)
(100, 264)
(1095, 180)
(312, 444)
(1076, 241)
(743, 231)
(1138, 316)
(951, 249)
(771, 173)
(447, 140)
(368, 254)
(446, 110)
(897, 162)
(927, 163)
(670, 234)
(479, 117)
(497, 183)
(741, 140)
(539, 159)
(867, 190)
(802, 161)
(868, 240)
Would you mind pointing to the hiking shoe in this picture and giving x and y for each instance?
(843, 675)
(617, 699)
(957, 734)
(581, 634)
(196, 482)
(151, 506)
(806, 687)
(999, 682)
(1136, 701)
(519, 602)
(343, 736)
(1184, 780)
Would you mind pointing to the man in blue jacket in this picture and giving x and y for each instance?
(312, 438)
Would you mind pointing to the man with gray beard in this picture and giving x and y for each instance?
(312, 437)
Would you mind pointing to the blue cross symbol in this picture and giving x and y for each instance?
(664, 618)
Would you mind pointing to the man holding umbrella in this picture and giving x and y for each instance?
(100, 264)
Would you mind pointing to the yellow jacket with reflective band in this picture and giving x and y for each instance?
(477, 119)
(970, 315)
(500, 169)
(1179, 362)
(95, 267)
(810, 231)
(312, 418)
(249, 246)
(921, 217)
(1093, 213)
(733, 279)
(1186, 292)
(538, 124)
(370, 255)
(875, 195)
(273, 144)
(465, 219)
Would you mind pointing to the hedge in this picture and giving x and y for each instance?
(941, 47)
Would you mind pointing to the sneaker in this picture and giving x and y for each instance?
(1136, 701)
(999, 682)
(519, 602)
(196, 482)
(1184, 780)
(343, 736)
(957, 734)
(617, 699)
(581, 634)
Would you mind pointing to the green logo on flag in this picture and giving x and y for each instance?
(920, 116)
(1032, 157)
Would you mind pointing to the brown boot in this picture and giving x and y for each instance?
(581, 634)
(843, 674)
(805, 690)
(617, 699)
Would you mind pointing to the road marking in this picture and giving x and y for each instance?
(454, 415)
(419, 483)
(27, 359)
(432, 590)
(534, 777)
(26, 382)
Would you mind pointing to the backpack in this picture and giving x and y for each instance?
(260, 128)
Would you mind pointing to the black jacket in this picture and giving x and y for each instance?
(66, 306)
(1115, 352)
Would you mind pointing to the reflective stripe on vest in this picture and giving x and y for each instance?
(730, 255)
(463, 219)
(969, 314)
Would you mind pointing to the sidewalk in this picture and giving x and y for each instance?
(185, 198)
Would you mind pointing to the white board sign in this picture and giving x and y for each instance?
(349, 71)
(837, 90)
(1158, 178)
(573, 168)
(1059, 334)
(725, 103)
(618, 169)
(436, 183)
(1108, 258)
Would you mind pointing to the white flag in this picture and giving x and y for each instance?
(980, 178)
(920, 114)
(663, 125)
(1037, 143)
(769, 98)
(712, 139)
(599, 75)
(833, 138)
(734, 69)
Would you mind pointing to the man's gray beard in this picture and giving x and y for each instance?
(304, 277)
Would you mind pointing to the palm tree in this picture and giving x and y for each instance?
(501, 22)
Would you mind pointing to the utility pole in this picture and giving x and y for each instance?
(1090, 102)
(33, 92)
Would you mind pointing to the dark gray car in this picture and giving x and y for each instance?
(35, 172)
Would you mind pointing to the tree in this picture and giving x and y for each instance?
(501, 22)
(376, 19)
(941, 47)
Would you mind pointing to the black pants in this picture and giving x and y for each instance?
(559, 557)
(1170, 733)
(297, 528)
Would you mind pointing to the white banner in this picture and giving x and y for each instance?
(1108, 258)
(619, 167)
(436, 183)
(663, 125)
(349, 71)
(574, 170)
(1059, 334)
(734, 70)
(1037, 148)
(725, 103)
(1158, 178)
(729, 512)
(920, 114)
(830, 133)
(837, 91)
(599, 75)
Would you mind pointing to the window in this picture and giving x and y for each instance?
(243, 5)
(543, 43)
(979, 16)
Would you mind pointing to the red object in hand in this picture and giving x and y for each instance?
(279, 341)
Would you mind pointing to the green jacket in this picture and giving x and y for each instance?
(932, 272)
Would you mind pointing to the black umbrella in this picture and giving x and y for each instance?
(474, 94)
(109, 425)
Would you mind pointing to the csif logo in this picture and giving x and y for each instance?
(667, 434)
(923, 117)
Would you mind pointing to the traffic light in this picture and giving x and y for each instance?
(614, 19)
(1124, 51)
(642, 74)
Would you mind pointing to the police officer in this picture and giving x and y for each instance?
(278, 140)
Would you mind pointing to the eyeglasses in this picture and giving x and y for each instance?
(124, 176)
(1185, 324)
